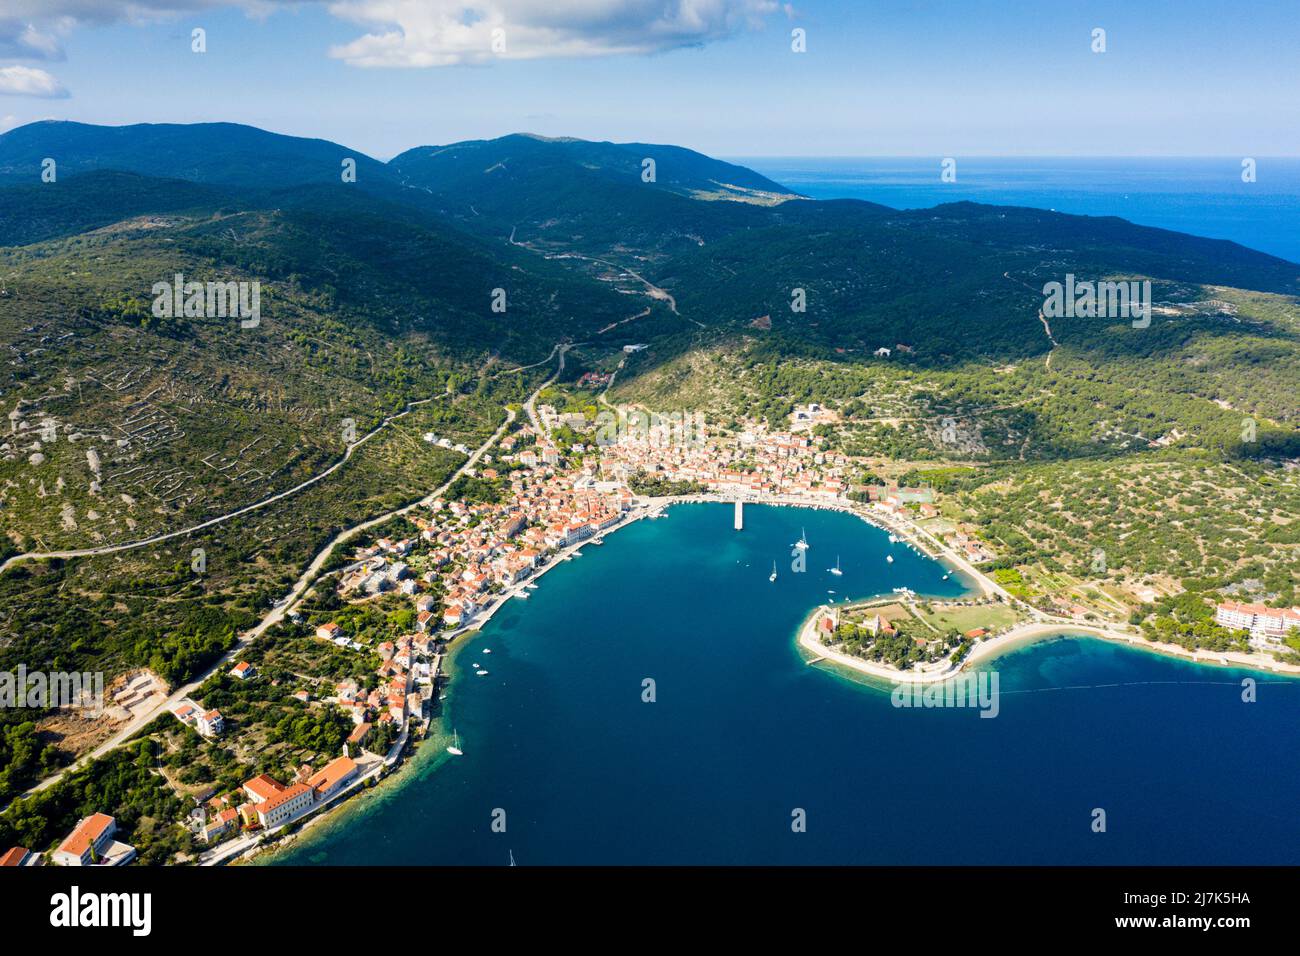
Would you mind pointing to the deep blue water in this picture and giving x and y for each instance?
(1203, 196)
(743, 731)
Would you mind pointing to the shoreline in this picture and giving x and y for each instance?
(1022, 635)
(918, 538)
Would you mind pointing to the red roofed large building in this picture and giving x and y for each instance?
(286, 804)
(263, 788)
(91, 843)
(333, 777)
(1259, 619)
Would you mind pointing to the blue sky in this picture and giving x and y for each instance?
(958, 78)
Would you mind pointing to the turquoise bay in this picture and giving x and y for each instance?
(743, 731)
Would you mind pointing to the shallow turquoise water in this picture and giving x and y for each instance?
(742, 732)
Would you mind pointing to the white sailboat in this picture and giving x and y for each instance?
(512, 858)
(889, 558)
(454, 749)
(836, 570)
(802, 543)
(772, 576)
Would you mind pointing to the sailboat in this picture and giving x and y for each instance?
(512, 858)
(772, 576)
(454, 749)
(802, 543)
(836, 570)
(889, 558)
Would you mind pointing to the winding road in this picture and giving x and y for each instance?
(158, 538)
(290, 600)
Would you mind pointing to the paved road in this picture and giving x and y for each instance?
(530, 406)
(283, 606)
(112, 548)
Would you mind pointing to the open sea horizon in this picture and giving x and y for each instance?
(1203, 196)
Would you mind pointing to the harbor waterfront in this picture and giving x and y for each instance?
(563, 752)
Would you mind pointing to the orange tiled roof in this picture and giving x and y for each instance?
(264, 786)
(87, 832)
(332, 773)
(283, 797)
(14, 856)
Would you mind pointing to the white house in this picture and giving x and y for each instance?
(210, 724)
(92, 844)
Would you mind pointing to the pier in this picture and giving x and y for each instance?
(740, 516)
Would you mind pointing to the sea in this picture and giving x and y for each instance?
(1204, 196)
(648, 704)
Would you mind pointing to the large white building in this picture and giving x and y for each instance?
(92, 844)
(288, 803)
(335, 775)
(1262, 621)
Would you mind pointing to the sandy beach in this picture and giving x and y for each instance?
(1018, 636)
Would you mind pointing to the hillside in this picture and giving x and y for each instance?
(223, 153)
(377, 315)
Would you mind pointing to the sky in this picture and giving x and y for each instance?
(887, 78)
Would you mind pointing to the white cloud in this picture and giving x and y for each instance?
(8, 122)
(28, 81)
(24, 41)
(31, 29)
(424, 33)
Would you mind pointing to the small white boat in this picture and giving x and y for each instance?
(481, 672)
(772, 576)
(802, 543)
(889, 558)
(487, 650)
(512, 858)
(531, 587)
(521, 594)
(836, 570)
(945, 577)
(893, 538)
(454, 749)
